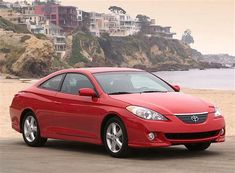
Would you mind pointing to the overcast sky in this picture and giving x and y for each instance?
(212, 22)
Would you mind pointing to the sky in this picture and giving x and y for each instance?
(212, 22)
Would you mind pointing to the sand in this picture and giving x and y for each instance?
(225, 100)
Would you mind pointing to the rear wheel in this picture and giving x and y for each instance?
(115, 138)
(198, 146)
(31, 131)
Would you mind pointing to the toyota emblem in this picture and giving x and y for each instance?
(195, 118)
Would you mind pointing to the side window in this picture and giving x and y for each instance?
(74, 81)
(52, 83)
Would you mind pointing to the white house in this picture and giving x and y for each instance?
(35, 23)
(4, 4)
(116, 24)
(59, 40)
(98, 23)
(125, 25)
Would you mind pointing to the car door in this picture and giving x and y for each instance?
(77, 116)
(46, 105)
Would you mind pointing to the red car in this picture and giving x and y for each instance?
(121, 108)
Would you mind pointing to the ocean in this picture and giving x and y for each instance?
(222, 79)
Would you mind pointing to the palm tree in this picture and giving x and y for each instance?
(144, 22)
(187, 38)
(116, 9)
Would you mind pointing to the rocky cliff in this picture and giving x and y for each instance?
(224, 59)
(23, 54)
(151, 53)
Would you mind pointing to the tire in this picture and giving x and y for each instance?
(31, 131)
(198, 146)
(115, 138)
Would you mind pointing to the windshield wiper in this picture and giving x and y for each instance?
(153, 91)
(117, 93)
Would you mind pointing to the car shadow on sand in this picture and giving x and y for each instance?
(167, 153)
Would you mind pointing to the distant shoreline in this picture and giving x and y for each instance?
(3, 75)
(197, 69)
(212, 79)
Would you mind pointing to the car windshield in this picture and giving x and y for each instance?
(131, 82)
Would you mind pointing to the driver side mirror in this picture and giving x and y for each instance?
(87, 92)
(176, 88)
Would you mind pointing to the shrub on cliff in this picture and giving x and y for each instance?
(76, 55)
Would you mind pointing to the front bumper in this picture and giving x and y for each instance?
(174, 131)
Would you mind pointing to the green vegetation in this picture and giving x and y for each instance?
(115, 48)
(12, 57)
(58, 64)
(157, 50)
(40, 36)
(76, 55)
(9, 26)
(24, 38)
(187, 37)
(84, 48)
(116, 9)
(12, 53)
(5, 50)
(144, 22)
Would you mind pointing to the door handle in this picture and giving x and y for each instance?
(56, 102)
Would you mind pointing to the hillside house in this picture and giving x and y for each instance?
(115, 24)
(159, 31)
(63, 16)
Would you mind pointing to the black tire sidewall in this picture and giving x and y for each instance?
(124, 150)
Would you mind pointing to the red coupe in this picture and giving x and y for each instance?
(121, 108)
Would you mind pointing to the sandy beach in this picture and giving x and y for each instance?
(225, 100)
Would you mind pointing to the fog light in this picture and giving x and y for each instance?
(151, 136)
(222, 132)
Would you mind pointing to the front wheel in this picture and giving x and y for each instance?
(115, 138)
(31, 131)
(198, 146)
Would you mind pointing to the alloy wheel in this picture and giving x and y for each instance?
(114, 137)
(30, 128)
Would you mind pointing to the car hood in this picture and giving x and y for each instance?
(166, 102)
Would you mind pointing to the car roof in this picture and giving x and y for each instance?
(100, 69)
(86, 71)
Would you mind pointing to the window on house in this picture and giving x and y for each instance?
(53, 16)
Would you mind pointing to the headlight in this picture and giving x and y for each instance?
(217, 112)
(146, 113)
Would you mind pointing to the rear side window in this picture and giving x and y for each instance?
(53, 83)
(74, 81)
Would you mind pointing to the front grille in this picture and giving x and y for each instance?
(200, 135)
(196, 118)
